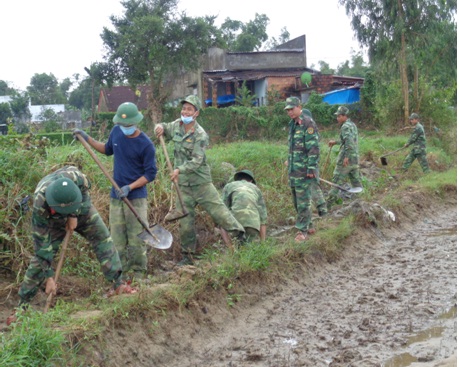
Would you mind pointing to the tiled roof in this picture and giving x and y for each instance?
(120, 94)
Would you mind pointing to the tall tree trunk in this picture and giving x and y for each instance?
(416, 96)
(403, 62)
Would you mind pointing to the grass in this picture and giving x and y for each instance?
(218, 269)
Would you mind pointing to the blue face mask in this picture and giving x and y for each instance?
(187, 119)
(128, 130)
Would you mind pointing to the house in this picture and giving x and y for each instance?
(111, 98)
(222, 73)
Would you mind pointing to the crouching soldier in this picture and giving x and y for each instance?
(62, 203)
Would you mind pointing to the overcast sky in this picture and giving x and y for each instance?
(63, 36)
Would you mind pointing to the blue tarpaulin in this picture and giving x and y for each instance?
(342, 96)
(222, 100)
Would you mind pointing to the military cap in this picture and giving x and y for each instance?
(194, 100)
(127, 114)
(63, 196)
(414, 116)
(244, 174)
(342, 111)
(291, 102)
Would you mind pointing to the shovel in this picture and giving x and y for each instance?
(59, 267)
(352, 190)
(155, 236)
(383, 158)
(173, 215)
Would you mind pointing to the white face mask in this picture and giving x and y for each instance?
(187, 119)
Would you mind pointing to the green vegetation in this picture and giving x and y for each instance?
(25, 159)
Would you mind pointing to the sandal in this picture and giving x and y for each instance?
(122, 289)
(300, 237)
(11, 319)
(311, 231)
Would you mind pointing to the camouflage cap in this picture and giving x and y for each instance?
(194, 100)
(64, 196)
(244, 174)
(292, 102)
(342, 111)
(414, 116)
(127, 114)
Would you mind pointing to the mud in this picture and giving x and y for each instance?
(390, 301)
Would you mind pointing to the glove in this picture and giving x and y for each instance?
(123, 192)
(81, 132)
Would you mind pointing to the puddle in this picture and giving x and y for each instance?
(406, 359)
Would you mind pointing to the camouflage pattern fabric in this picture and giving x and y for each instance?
(189, 152)
(302, 202)
(304, 150)
(349, 148)
(48, 232)
(207, 196)
(124, 228)
(418, 140)
(303, 141)
(246, 203)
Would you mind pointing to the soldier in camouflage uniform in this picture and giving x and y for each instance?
(61, 203)
(193, 174)
(245, 200)
(418, 140)
(347, 165)
(303, 160)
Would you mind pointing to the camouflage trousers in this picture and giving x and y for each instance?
(94, 230)
(125, 227)
(340, 174)
(301, 195)
(317, 198)
(420, 155)
(207, 196)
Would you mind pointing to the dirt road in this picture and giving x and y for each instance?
(389, 302)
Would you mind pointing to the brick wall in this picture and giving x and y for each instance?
(285, 85)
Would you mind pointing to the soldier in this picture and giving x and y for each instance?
(418, 140)
(133, 168)
(192, 172)
(303, 160)
(347, 164)
(245, 200)
(62, 203)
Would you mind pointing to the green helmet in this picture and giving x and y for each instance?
(64, 196)
(127, 114)
(244, 174)
(194, 100)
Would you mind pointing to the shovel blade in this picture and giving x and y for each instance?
(355, 190)
(161, 240)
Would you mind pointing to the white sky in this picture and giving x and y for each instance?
(62, 36)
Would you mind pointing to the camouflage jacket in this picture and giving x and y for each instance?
(303, 142)
(189, 152)
(246, 202)
(418, 137)
(349, 148)
(44, 219)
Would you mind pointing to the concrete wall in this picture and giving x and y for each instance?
(265, 60)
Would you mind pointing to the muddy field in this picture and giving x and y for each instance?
(390, 301)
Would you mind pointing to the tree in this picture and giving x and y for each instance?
(151, 43)
(19, 105)
(356, 69)
(5, 113)
(392, 30)
(5, 90)
(44, 89)
(273, 42)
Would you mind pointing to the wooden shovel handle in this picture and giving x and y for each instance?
(171, 169)
(58, 269)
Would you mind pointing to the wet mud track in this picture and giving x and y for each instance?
(390, 301)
